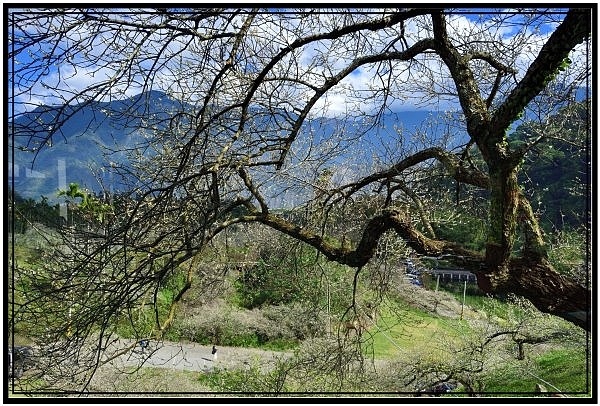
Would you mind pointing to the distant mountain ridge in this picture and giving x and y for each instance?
(78, 152)
(81, 148)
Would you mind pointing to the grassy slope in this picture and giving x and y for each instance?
(413, 328)
(420, 334)
(562, 370)
(558, 370)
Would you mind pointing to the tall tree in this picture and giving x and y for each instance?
(291, 108)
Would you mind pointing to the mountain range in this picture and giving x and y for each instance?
(88, 141)
(95, 135)
(98, 134)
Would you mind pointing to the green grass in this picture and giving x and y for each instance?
(414, 331)
(560, 370)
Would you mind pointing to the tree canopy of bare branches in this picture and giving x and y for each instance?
(278, 110)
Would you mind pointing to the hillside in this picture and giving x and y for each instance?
(99, 136)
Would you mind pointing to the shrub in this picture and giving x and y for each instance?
(272, 326)
(302, 322)
(223, 324)
(253, 379)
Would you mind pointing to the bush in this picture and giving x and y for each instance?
(286, 271)
(273, 326)
(253, 379)
(302, 322)
(223, 324)
(269, 284)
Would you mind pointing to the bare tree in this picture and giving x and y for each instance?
(278, 109)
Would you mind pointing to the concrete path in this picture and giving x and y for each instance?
(195, 357)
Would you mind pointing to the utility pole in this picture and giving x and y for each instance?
(463, 301)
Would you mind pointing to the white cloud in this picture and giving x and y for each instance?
(315, 63)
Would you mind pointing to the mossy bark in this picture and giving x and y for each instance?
(502, 218)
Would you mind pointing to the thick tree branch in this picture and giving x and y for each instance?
(575, 28)
(473, 106)
(550, 292)
(365, 249)
(450, 161)
(493, 62)
(533, 278)
(533, 245)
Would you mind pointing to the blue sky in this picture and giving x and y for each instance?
(75, 78)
